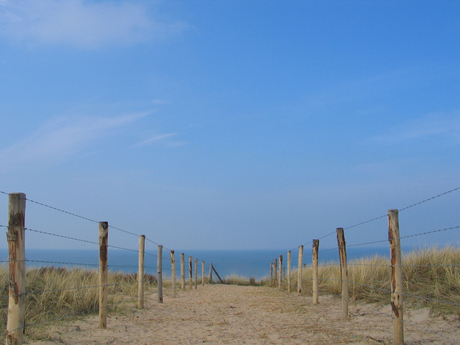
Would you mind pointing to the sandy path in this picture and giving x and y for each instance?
(226, 314)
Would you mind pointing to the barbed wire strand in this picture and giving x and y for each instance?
(81, 217)
(79, 264)
(385, 215)
(85, 241)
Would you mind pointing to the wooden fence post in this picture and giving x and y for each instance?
(210, 273)
(271, 273)
(280, 274)
(196, 273)
(103, 272)
(190, 271)
(289, 271)
(315, 271)
(299, 271)
(343, 271)
(275, 274)
(140, 274)
(202, 273)
(173, 272)
(160, 273)
(396, 276)
(182, 270)
(17, 268)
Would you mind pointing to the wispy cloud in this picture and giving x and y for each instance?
(163, 138)
(437, 126)
(61, 138)
(83, 24)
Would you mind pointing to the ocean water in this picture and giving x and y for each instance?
(245, 263)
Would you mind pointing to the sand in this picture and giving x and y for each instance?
(228, 314)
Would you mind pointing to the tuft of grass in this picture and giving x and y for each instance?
(235, 279)
(432, 273)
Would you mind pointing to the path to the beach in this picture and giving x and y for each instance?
(227, 314)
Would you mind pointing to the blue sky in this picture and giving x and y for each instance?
(231, 124)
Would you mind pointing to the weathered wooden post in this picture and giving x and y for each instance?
(160, 273)
(396, 276)
(103, 272)
(271, 273)
(140, 273)
(299, 271)
(202, 273)
(280, 274)
(275, 274)
(289, 271)
(182, 270)
(210, 273)
(17, 268)
(173, 272)
(196, 273)
(315, 271)
(190, 270)
(343, 271)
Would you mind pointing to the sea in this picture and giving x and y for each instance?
(243, 263)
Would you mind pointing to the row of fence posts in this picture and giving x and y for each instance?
(17, 270)
(277, 276)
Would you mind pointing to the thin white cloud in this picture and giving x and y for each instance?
(153, 139)
(163, 138)
(61, 138)
(433, 126)
(83, 24)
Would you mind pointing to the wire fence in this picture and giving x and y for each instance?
(428, 278)
(81, 284)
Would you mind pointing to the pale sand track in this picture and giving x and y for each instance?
(226, 314)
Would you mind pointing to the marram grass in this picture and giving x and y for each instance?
(430, 273)
(57, 293)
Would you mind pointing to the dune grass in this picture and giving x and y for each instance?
(57, 293)
(433, 273)
(235, 279)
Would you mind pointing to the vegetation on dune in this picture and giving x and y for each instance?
(431, 273)
(55, 293)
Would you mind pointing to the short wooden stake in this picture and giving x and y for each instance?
(190, 270)
(196, 273)
(173, 272)
(140, 273)
(343, 271)
(299, 271)
(202, 273)
(17, 268)
(103, 272)
(210, 273)
(275, 274)
(315, 271)
(280, 274)
(289, 271)
(182, 270)
(160, 273)
(396, 276)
